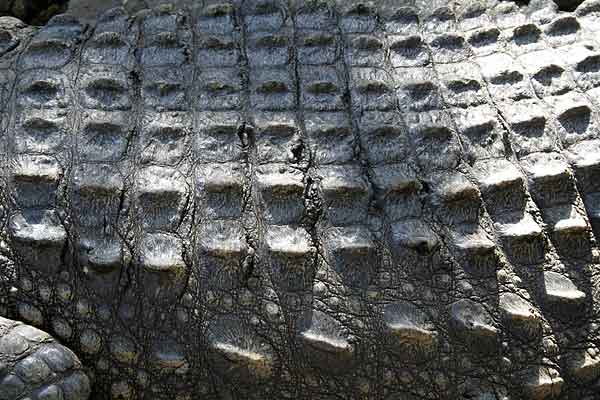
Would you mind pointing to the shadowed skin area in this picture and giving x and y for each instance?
(34, 12)
(304, 200)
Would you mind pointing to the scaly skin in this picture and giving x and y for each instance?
(309, 200)
(33, 364)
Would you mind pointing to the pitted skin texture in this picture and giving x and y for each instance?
(308, 200)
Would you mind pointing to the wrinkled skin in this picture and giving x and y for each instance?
(309, 201)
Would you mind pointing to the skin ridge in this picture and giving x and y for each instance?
(305, 200)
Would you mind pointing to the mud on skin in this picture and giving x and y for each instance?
(263, 200)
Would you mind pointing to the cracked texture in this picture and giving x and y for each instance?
(309, 200)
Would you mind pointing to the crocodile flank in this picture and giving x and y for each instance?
(302, 200)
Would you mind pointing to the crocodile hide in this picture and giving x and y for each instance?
(263, 200)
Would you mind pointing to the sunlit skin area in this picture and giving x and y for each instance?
(300, 200)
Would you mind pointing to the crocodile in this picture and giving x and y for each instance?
(302, 200)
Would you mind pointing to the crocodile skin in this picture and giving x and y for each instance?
(32, 363)
(262, 200)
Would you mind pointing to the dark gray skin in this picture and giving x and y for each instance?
(34, 12)
(34, 366)
(309, 200)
